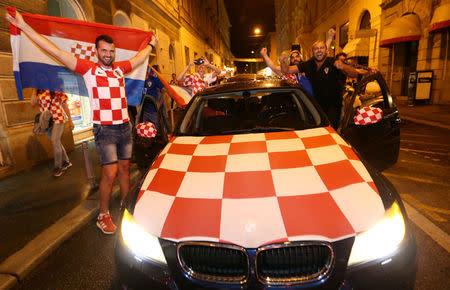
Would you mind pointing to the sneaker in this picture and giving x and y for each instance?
(106, 224)
(57, 172)
(66, 165)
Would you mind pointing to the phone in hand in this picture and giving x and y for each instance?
(199, 61)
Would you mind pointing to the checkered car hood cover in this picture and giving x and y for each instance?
(257, 189)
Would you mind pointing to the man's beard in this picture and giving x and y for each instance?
(105, 63)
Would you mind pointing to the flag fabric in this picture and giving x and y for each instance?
(179, 95)
(33, 68)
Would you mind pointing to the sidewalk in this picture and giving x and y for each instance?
(433, 115)
(38, 212)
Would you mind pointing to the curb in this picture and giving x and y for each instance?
(21, 263)
(425, 122)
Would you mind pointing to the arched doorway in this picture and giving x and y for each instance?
(66, 8)
(121, 19)
(365, 20)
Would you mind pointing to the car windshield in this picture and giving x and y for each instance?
(249, 111)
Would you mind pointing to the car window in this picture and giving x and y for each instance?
(370, 95)
(249, 111)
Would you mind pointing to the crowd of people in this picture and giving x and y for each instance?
(322, 76)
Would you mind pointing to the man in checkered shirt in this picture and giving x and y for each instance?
(106, 87)
(199, 80)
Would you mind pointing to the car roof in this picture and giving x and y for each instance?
(248, 82)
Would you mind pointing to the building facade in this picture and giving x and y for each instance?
(186, 29)
(401, 38)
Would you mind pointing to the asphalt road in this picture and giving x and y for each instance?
(86, 261)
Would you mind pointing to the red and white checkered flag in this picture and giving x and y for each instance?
(368, 115)
(84, 52)
(146, 130)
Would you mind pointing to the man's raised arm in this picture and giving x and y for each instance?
(346, 69)
(269, 62)
(285, 68)
(216, 71)
(140, 57)
(64, 57)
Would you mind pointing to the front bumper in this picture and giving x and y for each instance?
(396, 271)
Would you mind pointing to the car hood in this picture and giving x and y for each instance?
(256, 189)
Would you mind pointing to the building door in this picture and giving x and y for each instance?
(405, 54)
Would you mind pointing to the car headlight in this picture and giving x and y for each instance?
(139, 241)
(381, 240)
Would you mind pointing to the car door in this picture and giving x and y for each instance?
(378, 142)
(146, 149)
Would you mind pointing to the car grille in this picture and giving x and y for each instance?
(293, 263)
(214, 262)
(281, 264)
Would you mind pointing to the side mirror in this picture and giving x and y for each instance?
(146, 130)
(368, 115)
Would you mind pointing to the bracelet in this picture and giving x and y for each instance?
(152, 46)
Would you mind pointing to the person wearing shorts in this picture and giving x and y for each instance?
(105, 84)
(113, 142)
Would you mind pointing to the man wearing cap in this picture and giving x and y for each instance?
(294, 58)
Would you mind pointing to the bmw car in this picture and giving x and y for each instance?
(255, 190)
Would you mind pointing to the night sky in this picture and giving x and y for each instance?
(244, 16)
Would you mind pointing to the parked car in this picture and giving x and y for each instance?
(255, 190)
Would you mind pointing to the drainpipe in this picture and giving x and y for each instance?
(444, 76)
(392, 67)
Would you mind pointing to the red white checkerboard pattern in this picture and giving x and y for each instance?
(106, 89)
(146, 130)
(84, 52)
(195, 82)
(257, 189)
(368, 115)
(56, 105)
(290, 77)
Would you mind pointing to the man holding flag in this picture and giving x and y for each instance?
(105, 84)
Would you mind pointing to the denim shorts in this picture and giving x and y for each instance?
(113, 142)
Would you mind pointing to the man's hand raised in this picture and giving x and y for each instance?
(154, 40)
(263, 51)
(331, 33)
(16, 20)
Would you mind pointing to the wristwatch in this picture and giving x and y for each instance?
(153, 47)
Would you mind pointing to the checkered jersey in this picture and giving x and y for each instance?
(258, 189)
(106, 90)
(368, 115)
(59, 99)
(195, 82)
(290, 77)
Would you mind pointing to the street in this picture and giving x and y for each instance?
(86, 261)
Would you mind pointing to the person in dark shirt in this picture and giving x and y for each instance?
(327, 76)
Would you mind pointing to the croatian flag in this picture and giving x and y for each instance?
(33, 68)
